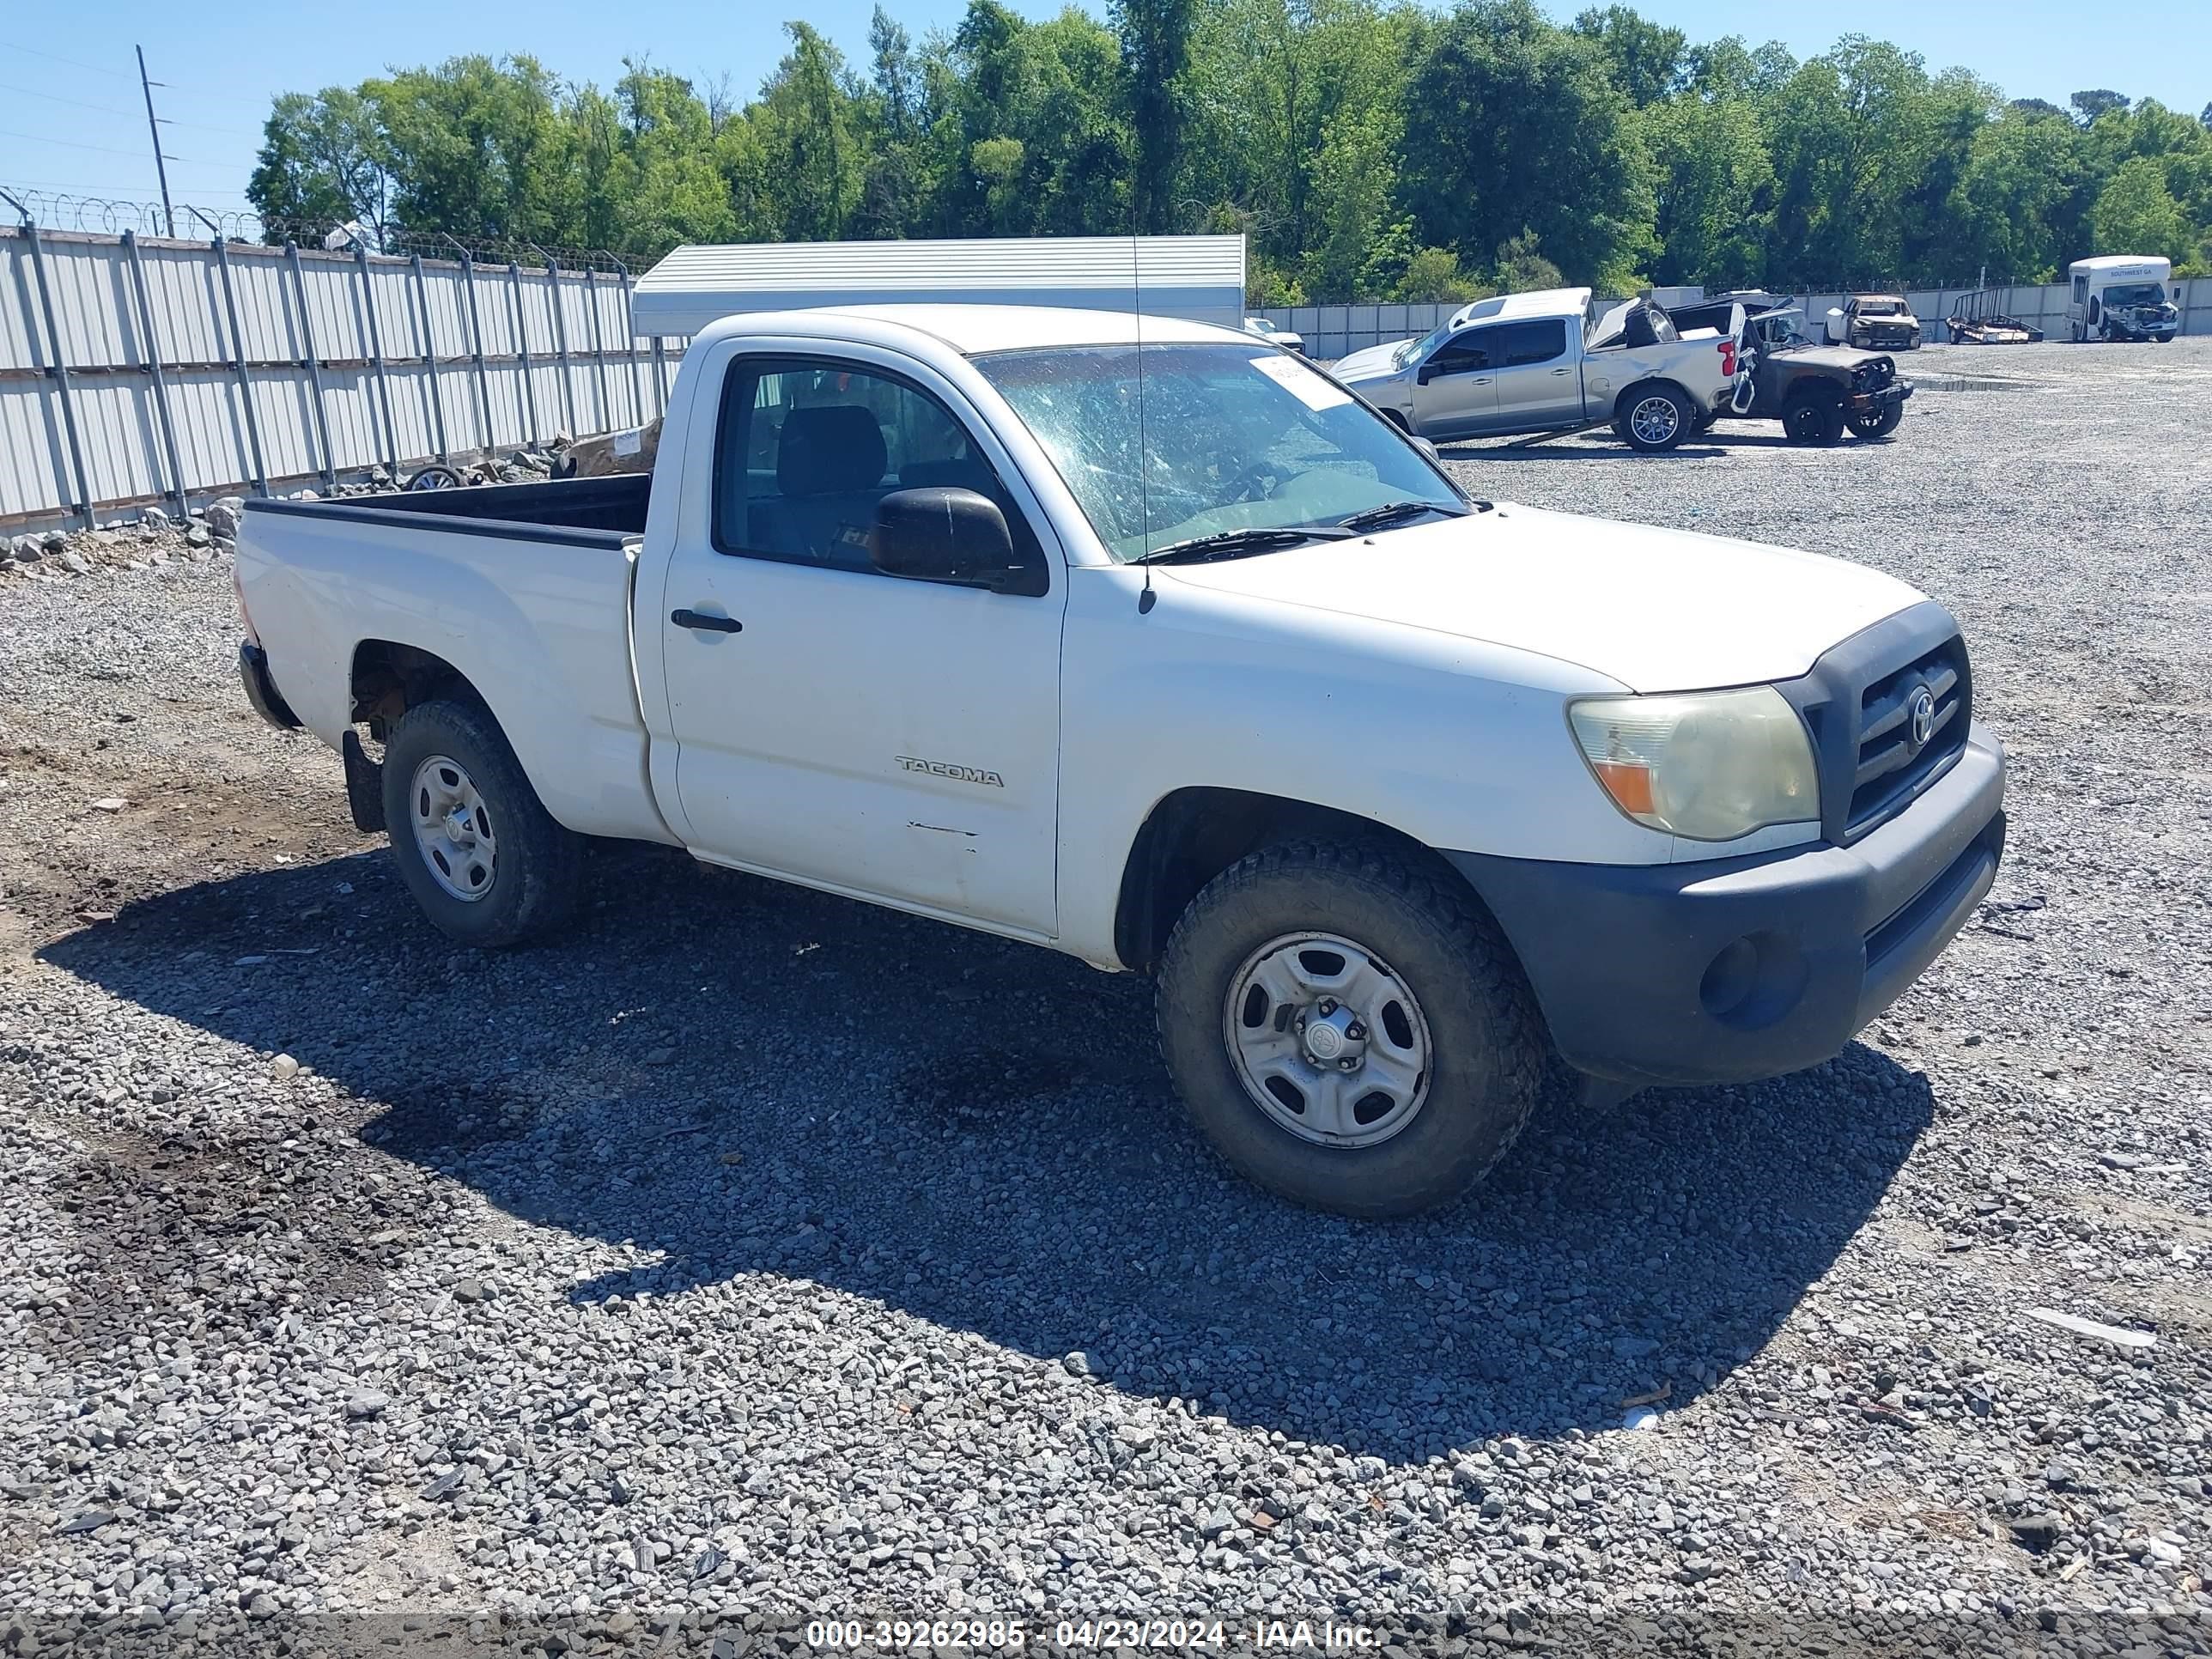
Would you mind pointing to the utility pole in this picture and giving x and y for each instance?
(154, 126)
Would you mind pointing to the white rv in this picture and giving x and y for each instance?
(2121, 296)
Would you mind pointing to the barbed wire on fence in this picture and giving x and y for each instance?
(60, 211)
(111, 216)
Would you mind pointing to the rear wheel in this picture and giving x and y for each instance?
(1880, 424)
(1655, 419)
(1348, 1030)
(2167, 337)
(472, 841)
(1812, 419)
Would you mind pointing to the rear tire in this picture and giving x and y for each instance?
(474, 844)
(1450, 1060)
(1812, 420)
(2166, 339)
(1654, 419)
(1879, 425)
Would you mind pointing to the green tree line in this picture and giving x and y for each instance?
(1369, 149)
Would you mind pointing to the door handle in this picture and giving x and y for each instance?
(1479, 379)
(1559, 371)
(706, 622)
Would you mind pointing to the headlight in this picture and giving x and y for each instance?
(1711, 766)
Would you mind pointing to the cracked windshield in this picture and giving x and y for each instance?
(1232, 440)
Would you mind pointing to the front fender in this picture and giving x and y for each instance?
(1449, 741)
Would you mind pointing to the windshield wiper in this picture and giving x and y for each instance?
(1374, 518)
(1228, 543)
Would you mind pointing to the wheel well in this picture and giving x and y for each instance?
(389, 679)
(1398, 421)
(1656, 383)
(1193, 834)
(1816, 388)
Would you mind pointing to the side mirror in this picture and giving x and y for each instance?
(1428, 449)
(1423, 374)
(954, 536)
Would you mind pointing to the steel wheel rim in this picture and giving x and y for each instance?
(1328, 1040)
(453, 832)
(1654, 420)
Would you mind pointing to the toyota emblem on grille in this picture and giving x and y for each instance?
(1923, 717)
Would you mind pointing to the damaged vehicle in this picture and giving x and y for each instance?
(1816, 392)
(1143, 642)
(1550, 361)
(1874, 322)
(2121, 296)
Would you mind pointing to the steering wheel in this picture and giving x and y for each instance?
(1254, 483)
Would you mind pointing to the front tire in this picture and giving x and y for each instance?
(474, 844)
(1655, 419)
(2166, 338)
(1348, 1029)
(1880, 424)
(1812, 420)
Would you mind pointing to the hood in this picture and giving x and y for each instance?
(1845, 357)
(1656, 610)
(1374, 362)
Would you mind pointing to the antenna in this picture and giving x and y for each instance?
(154, 126)
(1146, 600)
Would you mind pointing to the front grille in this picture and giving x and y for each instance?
(1892, 764)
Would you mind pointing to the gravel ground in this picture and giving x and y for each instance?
(756, 1255)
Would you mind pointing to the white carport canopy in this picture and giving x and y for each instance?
(1199, 277)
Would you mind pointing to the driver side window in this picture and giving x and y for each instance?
(807, 449)
(1465, 353)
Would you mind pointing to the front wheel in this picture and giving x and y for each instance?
(1348, 1030)
(1880, 424)
(473, 842)
(1812, 420)
(1655, 419)
(2166, 338)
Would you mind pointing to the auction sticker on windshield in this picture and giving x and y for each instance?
(1301, 383)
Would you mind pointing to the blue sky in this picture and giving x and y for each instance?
(70, 115)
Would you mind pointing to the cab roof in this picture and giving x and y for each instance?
(971, 330)
(1541, 302)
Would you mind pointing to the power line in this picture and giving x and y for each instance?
(105, 149)
(128, 115)
(55, 97)
(57, 57)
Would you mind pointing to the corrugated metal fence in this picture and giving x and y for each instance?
(136, 371)
(1332, 332)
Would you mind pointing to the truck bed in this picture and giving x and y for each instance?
(524, 589)
(573, 511)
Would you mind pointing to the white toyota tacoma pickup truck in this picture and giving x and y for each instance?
(1182, 660)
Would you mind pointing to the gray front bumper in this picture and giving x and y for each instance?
(1749, 968)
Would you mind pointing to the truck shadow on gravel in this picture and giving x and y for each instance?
(722, 1078)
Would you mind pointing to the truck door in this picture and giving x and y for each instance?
(1536, 378)
(1453, 392)
(892, 738)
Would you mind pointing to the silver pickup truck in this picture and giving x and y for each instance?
(1551, 361)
